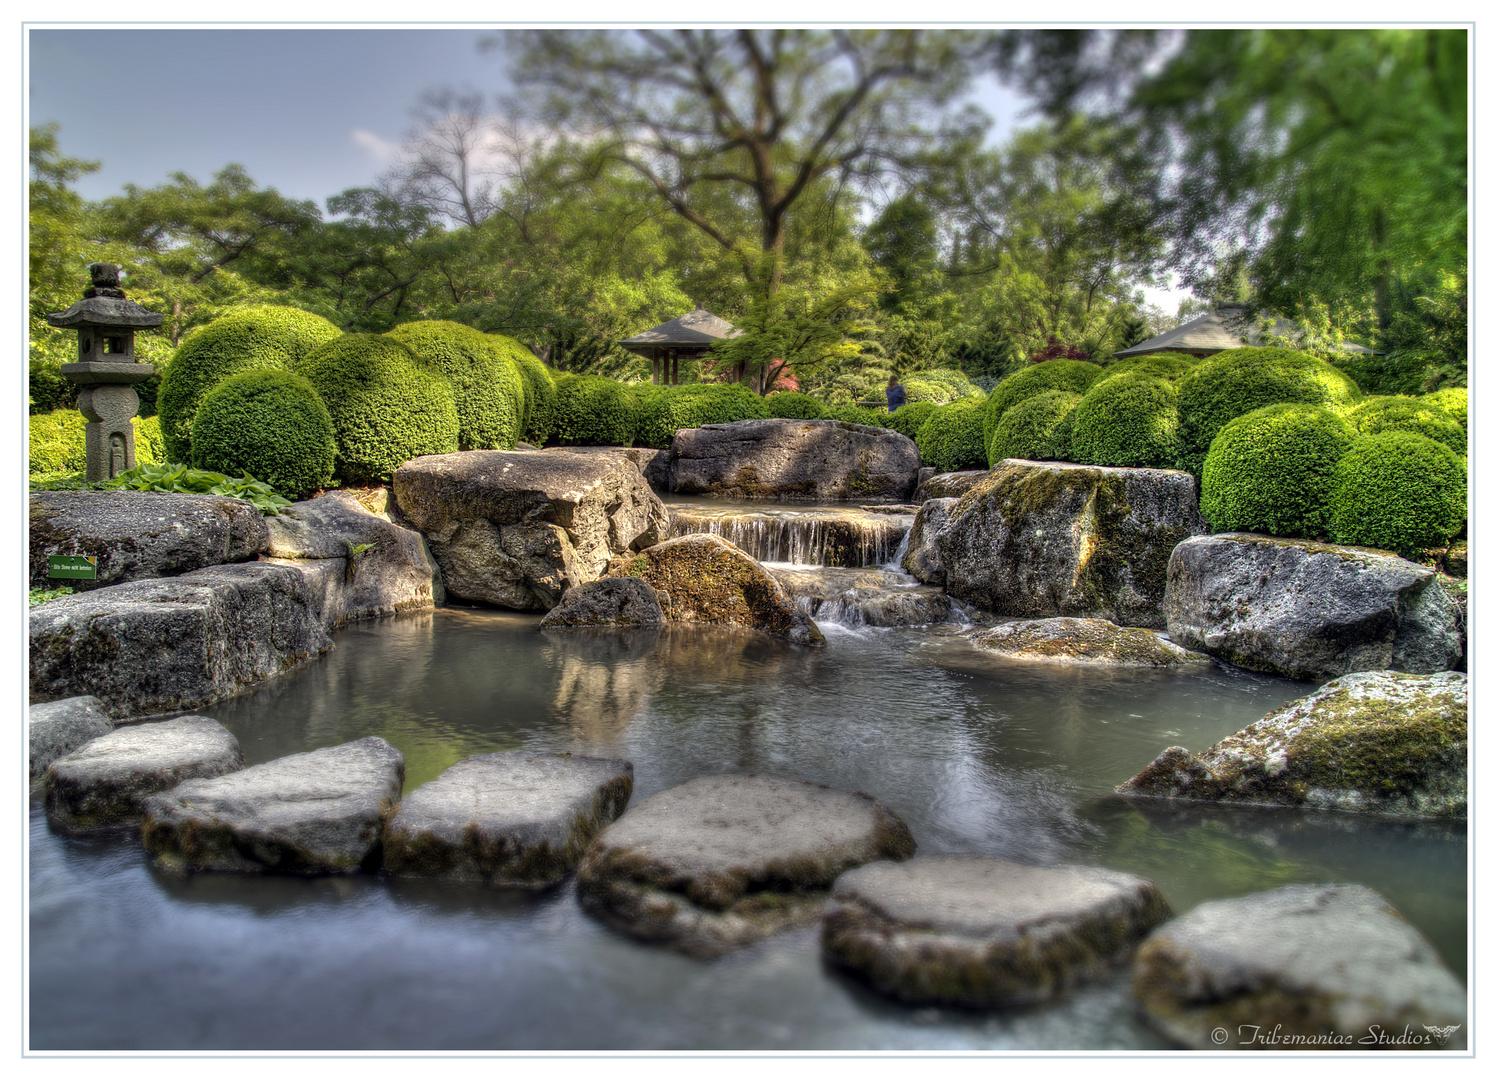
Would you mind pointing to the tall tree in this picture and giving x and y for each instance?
(448, 161)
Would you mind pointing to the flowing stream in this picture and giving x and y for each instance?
(975, 752)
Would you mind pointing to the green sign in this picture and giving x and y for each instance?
(80, 567)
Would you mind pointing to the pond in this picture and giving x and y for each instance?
(974, 752)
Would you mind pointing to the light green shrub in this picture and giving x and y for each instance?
(1452, 401)
(594, 410)
(1166, 365)
(540, 389)
(1129, 421)
(1375, 415)
(55, 443)
(1075, 376)
(487, 387)
(669, 409)
(269, 424)
(859, 414)
(1399, 491)
(908, 417)
(793, 405)
(951, 437)
(1036, 429)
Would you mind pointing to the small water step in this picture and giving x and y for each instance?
(802, 536)
(868, 596)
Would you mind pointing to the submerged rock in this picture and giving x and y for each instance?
(512, 818)
(871, 596)
(1379, 742)
(861, 536)
(703, 578)
(1307, 610)
(313, 813)
(981, 932)
(610, 602)
(1038, 539)
(55, 728)
(722, 861)
(1303, 967)
(1084, 641)
(922, 558)
(107, 781)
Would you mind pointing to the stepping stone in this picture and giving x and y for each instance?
(722, 861)
(55, 728)
(982, 932)
(514, 818)
(312, 813)
(107, 781)
(1302, 967)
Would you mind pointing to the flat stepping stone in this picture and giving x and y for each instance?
(984, 932)
(513, 818)
(1302, 967)
(1084, 641)
(56, 728)
(720, 862)
(107, 781)
(312, 813)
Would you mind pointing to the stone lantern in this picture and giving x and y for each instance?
(106, 369)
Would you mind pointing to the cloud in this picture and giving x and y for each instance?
(381, 150)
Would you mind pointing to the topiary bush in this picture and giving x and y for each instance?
(386, 406)
(1375, 415)
(908, 417)
(1237, 381)
(1075, 376)
(246, 339)
(669, 409)
(1399, 491)
(940, 386)
(487, 387)
(1451, 401)
(1129, 421)
(540, 388)
(951, 438)
(269, 424)
(55, 443)
(594, 410)
(1036, 429)
(1165, 365)
(858, 414)
(1273, 471)
(794, 405)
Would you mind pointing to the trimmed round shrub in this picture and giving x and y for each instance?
(1399, 491)
(1165, 365)
(270, 424)
(1376, 415)
(794, 405)
(593, 410)
(908, 417)
(1075, 376)
(56, 443)
(1036, 429)
(940, 386)
(951, 438)
(150, 447)
(669, 409)
(486, 385)
(1129, 421)
(540, 389)
(246, 339)
(1451, 401)
(1273, 471)
(386, 406)
(1237, 381)
(859, 414)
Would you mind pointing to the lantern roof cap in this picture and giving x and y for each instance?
(105, 311)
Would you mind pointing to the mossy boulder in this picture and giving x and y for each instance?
(1375, 415)
(1400, 491)
(487, 386)
(269, 424)
(1074, 376)
(951, 437)
(608, 603)
(1036, 429)
(594, 410)
(1129, 421)
(1084, 641)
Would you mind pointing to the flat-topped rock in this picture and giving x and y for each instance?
(513, 818)
(1084, 641)
(983, 932)
(312, 813)
(1377, 742)
(106, 781)
(704, 578)
(141, 534)
(607, 602)
(55, 728)
(870, 596)
(813, 460)
(1307, 610)
(1303, 967)
(722, 861)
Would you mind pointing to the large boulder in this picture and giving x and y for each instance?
(980, 932)
(517, 528)
(152, 647)
(512, 818)
(608, 602)
(1038, 539)
(922, 559)
(358, 565)
(314, 813)
(1307, 610)
(722, 861)
(55, 728)
(106, 781)
(1084, 641)
(1382, 742)
(816, 460)
(141, 534)
(703, 578)
(1305, 967)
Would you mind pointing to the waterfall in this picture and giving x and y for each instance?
(800, 537)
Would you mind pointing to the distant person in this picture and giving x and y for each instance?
(894, 393)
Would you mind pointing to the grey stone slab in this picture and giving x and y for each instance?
(513, 818)
(1084, 641)
(318, 812)
(983, 932)
(55, 728)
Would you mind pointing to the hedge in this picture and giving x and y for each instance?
(269, 424)
(1165, 365)
(859, 414)
(939, 386)
(951, 438)
(908, 417)
(794, 405)
(1399, 491)
(1376, 415)
(594, 410)
(540, 389)
(56, 444)
(1451, 401)
(1075, 376)
(1036, 429)
(487, 387)
(668, 409)
(1131, 421)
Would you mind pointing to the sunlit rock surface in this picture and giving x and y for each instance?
(1084, 641)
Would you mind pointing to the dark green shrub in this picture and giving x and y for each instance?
(1237, 381)
(668, 409)
(1376, 415)
(1075, 376)
(908, 417)
(246, 339)
(48, 389)
(269, 424)
(793, 405)
(540, 389)
(1130, 421)
(1273, 471)
(1166, 365)
(951, 437)
(594, 410)
(1451, 401)
(55, 442)
(386, 406)
(858, 414)
(1036, 429)
(1399, 491)
(486, 385)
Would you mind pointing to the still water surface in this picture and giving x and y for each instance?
(974, 752)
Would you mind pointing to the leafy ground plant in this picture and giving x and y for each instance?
(41, 596)
(179, 479)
